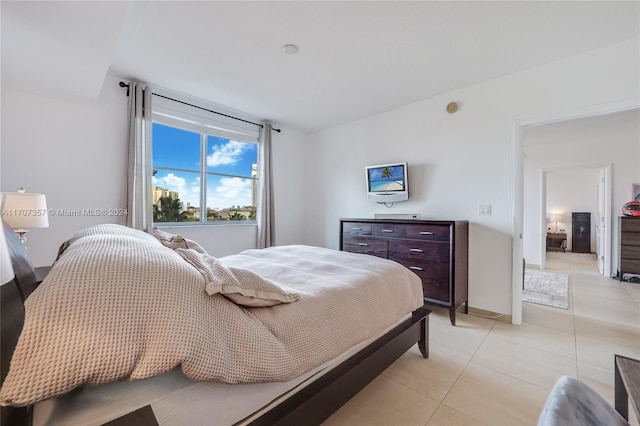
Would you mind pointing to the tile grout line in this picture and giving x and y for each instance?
(573, 318)
(460, 375)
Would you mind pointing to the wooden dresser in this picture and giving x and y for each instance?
(437, 251)
(629, 249)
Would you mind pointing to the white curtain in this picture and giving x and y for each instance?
(139, 178)
(265, 214)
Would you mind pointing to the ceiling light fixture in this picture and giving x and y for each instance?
(290, 49)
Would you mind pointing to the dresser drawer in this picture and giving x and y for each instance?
(630, 239)
(630, 266)
(429, 232)
(435, 280)
(366, 245)
(630, 224)
(415, 250)
(355, 228)
(389, 230)
(630, 252)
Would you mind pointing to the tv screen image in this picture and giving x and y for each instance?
(384, 179)
(387, 182)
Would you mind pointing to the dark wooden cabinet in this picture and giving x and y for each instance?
(581, 232)
(556, 241)
(629, 249)
(437, 251)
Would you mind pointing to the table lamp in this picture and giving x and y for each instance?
(22, 210)
(555, 217)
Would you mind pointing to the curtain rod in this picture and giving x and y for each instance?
(123, 84)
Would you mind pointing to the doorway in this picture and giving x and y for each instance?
(518, 190)
(578, 188)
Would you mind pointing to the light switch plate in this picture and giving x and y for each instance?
(484, 209)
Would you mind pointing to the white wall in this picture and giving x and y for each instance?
(76, 155)
(291, 178)
(458, 161)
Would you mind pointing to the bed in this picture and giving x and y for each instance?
(314, 384)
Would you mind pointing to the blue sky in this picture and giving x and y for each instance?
(397, 173)
(181, 149)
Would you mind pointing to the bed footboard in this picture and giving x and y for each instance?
(315, 403)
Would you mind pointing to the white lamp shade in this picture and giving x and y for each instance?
(22, 210)
(6, 270)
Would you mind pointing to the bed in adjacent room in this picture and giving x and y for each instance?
(126, 320)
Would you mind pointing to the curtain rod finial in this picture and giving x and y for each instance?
(123, 84)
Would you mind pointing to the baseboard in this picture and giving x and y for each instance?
(506, 318)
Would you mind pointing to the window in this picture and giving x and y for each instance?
(203, 171)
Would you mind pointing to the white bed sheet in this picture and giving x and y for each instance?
(178, 400)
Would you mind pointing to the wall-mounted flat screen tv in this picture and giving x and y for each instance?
(387, 183)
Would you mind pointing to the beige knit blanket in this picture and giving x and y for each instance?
(121, 307)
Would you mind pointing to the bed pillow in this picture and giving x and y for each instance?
(176, 241)
(241, 286)
(105, 229)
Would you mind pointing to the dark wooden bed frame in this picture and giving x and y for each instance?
(310, 406)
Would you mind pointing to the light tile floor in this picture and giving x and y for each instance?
(485, 372)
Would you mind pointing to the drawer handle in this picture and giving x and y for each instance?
(416, 268)
(426, 233)
(363, 245)
(387, 230)
(416, 250)
(356, 229)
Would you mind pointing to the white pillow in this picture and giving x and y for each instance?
(106, 229)
(176, 241)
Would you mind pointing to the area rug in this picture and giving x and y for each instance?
(546, 288)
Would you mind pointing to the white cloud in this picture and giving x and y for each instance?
(173, 181)
(226, 154)
(233, 191)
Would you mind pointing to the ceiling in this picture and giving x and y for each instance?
(355, 59)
